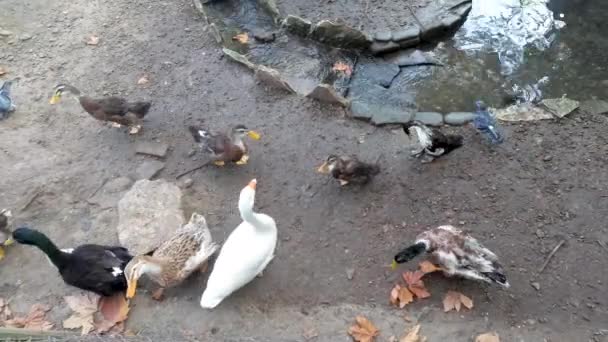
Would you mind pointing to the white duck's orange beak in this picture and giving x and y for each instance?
(252, 184)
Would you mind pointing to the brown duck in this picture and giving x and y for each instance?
(225, 148)
(116, 110)
(347, 169)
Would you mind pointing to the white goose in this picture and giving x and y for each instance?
(245, 254)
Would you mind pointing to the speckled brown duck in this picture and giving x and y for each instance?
(225, 147)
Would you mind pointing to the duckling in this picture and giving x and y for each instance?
(457, 253)
(116, 110)
(349, 169)
(433, 143)
(225, 148)
(176, 259)
(6, 103)
(95, 268)
(5, 233)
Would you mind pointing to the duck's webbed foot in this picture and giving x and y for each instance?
(219, 163)
(134, 129)
(158, 294)
(244, 160)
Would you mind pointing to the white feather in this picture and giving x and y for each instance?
(116, 271)
(65, 250)
(424, 138)
(245, 254)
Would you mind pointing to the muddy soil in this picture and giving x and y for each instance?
(547, 183)
(367, 15)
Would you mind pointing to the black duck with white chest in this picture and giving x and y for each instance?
(94, 268)
(432, 142)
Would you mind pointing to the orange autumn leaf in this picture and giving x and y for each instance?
(454, 300)
(415, 284)
(401, 296)
(242, 38)
(114, 311)
(488, 337)
(413, 335)
(342, 67)
(428, 267)
(92, 40)
(364, 330)
(35, 319)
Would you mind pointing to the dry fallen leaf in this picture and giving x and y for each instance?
(401, 296)
(242, 38)
(488, 337)
(413, 335)
(143, 80)
(428, 267)
(114, 311)
(3, 71)
(342, 67)
(5, 311)
(84, 307)
(453, 301)
(364, 330)
(92, 40)
(415, 284)
(35, 319)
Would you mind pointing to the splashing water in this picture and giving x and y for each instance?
(506, 27)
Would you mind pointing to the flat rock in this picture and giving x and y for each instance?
(237, 57)
(429, 118)
(326, 93)
(264, 36)
(458, 118)
(408, 34)
(149, 214)
(118, 184)
(362, 110)
(391, 115)
(297, 25)
(339, 35)
(522, 112)
(272, 78)
(379, 48)
(152, 148)
(560, 107)
(383, 36)
(381, 74)
(411, 57)
(594, 107)
(149, 169)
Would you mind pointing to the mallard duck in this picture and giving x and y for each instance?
(245, 254)
(225, 148)
(457, 253)
(6, 103)
(88, 267)
(432, 142)
(5, 232)
(176, 259)
(116, 110)
(347, 169)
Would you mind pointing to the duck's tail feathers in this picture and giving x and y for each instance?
(454, 141)
(498, 278)
(140, 109)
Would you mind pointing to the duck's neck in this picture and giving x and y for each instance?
(57, 257)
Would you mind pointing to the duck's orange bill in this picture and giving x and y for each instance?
(252, 184)
(323, 168)
(131, 286)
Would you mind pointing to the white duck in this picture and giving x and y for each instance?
(245, 254)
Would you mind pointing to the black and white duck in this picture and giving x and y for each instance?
(457, 254)
(94, 268)
(432, 142)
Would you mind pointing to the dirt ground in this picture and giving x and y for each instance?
(547, 183)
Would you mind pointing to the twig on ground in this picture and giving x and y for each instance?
(559, 245)
(98, 188)
(192, 170)
(603, 245)
(31, 199)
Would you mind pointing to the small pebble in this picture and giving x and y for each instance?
(350, 273)
(535, 285)
(188, 183)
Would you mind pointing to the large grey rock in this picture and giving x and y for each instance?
(271, 7)
(362, 110)
(458, 118)
(237, 57)
(149, 214)
(297, 25)
(411, 57)
(594, 107)
(560, 107)
(407, 34)
(379, 48)
(326, 93)
(378, 73)
(429, 118)
(383, 36)
(339, 35)
(391, 115)
(272, 78)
